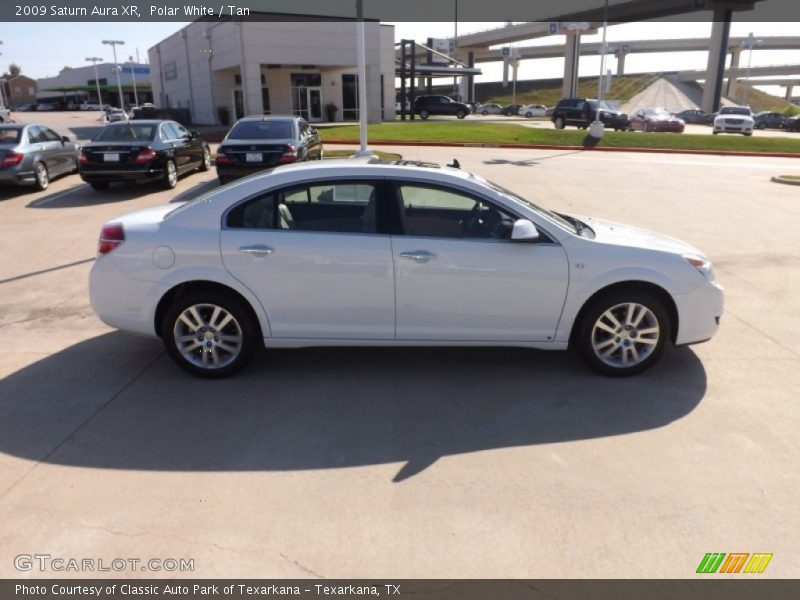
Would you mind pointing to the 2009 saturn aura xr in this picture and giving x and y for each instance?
(369, 253)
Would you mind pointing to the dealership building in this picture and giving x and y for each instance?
(221, 71)
(79, 84)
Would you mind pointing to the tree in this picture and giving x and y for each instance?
(14, 69)
(65, 69)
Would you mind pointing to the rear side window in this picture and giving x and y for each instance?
(258, 213)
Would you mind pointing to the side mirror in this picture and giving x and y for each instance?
(524, 231)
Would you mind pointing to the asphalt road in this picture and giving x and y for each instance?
(412, 463)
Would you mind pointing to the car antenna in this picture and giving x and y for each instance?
(455, 164)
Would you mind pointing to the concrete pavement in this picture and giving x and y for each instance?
(412, 463)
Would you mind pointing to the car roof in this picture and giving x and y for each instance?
(140, 122)
(253, 119)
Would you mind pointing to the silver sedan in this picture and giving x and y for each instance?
(34, 154)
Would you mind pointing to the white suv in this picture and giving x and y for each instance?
(734, 119)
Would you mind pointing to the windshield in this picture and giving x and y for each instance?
(128, 132)
(734, 110)
(261, 130)
(9, 135)
(547, 214)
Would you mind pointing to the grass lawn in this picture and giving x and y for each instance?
(496, 133)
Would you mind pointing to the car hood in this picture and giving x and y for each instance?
(609, 232)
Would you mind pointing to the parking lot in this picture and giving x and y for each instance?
(406, 462)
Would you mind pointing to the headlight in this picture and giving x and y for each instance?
(702, 264)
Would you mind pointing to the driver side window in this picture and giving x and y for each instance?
(438, 212)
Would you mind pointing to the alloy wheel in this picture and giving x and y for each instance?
(625, 335)
(42, 179)
(208, 336)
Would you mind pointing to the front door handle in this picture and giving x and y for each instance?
(257, 250)
(418, 256)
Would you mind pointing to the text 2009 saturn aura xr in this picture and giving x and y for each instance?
(370, 253)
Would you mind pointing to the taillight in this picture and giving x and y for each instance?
(145, 156)
(12, 159)
(289, 155)
(222, 158)
(84, 160)
(111, 236)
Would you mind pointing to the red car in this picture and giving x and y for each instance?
(656, 119)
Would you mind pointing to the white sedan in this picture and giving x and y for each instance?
(532, 110)
(367, 253)
(734, 119)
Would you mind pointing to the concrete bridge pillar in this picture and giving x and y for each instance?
(620, 62)
(717, 49)
(572, 55)
(731, 91)
(789, 92)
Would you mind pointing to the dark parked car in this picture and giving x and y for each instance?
(582, 111)
(425, 106)
(257, 143)
(656, 119)
(512, 110)
(33, 154)
(769, 120)
(695, 116)
(142, 151)
(792, 123)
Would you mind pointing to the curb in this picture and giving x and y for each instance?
(573, 148)
(786, 181)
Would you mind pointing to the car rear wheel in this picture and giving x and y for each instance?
(762, 125)
(529, 115)
(424, 114)
(205, 164)
(210, 334)
(623, 332)
(485, 112)
(170, 178)
(41, 178)
(559, 123)
(461, 114)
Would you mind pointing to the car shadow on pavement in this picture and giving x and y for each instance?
(196, 190)
(117, 402)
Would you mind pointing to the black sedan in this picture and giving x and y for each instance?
(512, 110)
(33, 154)
(695, 117)
(769, 120)
(257, 143)
(143, 151)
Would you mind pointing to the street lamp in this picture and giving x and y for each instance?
(94, 60)
(133, 76)
(362, 80)
(749, 43)
(114, 44)
(596, 128)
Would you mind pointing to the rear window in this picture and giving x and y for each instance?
(261, 130)
(9, 135)
(129, 132)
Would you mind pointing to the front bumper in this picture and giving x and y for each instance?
(733, 127)
(699, 313)
(668, 127)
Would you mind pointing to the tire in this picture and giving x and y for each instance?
(605, 342)
(559, 123)
(485, 112)
(196, 344)
(529, 115)
(424, 114)
(461, 114)
(99, 185)
(41, 178)
(762, 125)
(748, 134)
(205, 163)
(170, 178)
(715, 132)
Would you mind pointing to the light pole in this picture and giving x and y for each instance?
(596, 128)
(133, 76)
(94, 60)
(750, 42)
(362, 80)
(114, 44)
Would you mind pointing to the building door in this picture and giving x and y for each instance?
(238, 104)
(314, 104)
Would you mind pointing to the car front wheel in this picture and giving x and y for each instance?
(461, 114)
(559, 123)
(623, 333)
(210, 334)
(424, 114)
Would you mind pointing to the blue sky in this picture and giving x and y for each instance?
(42, 49)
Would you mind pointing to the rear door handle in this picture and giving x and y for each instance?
(418, 256)
(257, 250)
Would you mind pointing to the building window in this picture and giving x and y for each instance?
(349, 97)
(237, 79)
(103, 81)
(170, 70)
(306, 79)
(265, 99)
